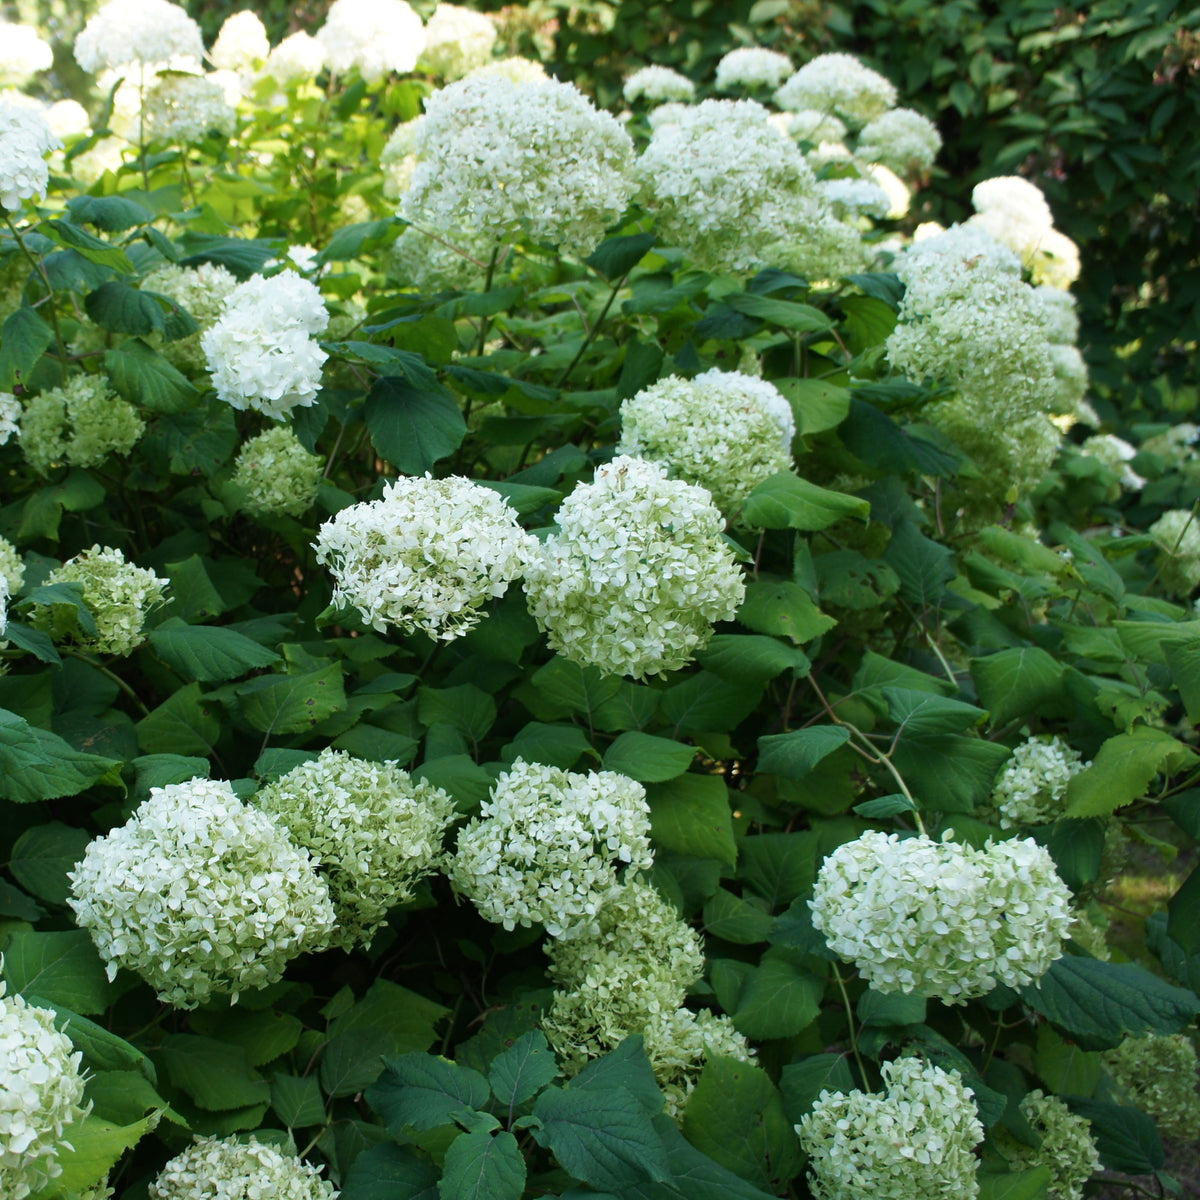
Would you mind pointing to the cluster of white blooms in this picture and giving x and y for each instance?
(425, 556)
(1032, 784)
(679, 1043)
(201, 291)
(1176, 446)
(10, 416)
(399, 158)
(1177, 533)
(512, 160)
(375, 831)
(856, 198)
(457, 40)
(901, 139)
(82, 423)
(185, 108)
(118, 594)
(376, 36)
(299, 57)
(634, 966)
(547, 846)
(1115, 453)
(1058, 314)
(658, 85)
(636, 574)
(41, 1096)
(25, 140)
(841, 85)
(942, 919)
(276, 475)
(232, 1169)
(1159, 1074)
(914, 1141)
(1015, 213)
(200, 895)
(22, 54)
(12, 568)
(809, 125)
(515, 69)
(1066, 1147)
(261, 351)
(242, 44)
(125, 32)
(752, 67)
(723, 430)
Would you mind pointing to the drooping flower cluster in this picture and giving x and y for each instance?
(25, 140)
(118, 595)
(427, 555)
(200, 895)
(752, 67)
(143, 32)
(1032, 784)
(22, 54)
(1177, 533)
(276, 475)
(1067, 1149)
(499, 160)
(548, 844)
(1016, 214)
(680, 1043)
(82, 423)
(376, 36)
(201, 291)
(186, 108)
(724, 430)
(261, 351)
(457, 40)
(375, 831)
(840, 85)
(41, 1096)
(230, 1169)
(942, 919)
(901, 139)
(658, 85)
(914, 1141)
(636, 574)
(242, 43)
(1159, 1074)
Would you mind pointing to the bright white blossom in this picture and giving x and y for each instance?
(125, 32)
(548, 844)
(1115, 453)
(1014, 212)
(901, 139)
(509, 160)
(1159, 1074)
(375, 831)
(810, 125)
(22, 54)
(914, 1141)
(1058, 315)
(457, 40)
(276, 474)
(200, 895)
(852, 198)
(1032, 784)
(398, 160)
(297, 58)
(723, 430)
(376, 36)
(1067, 1149)
(186, 108)
(841, 85)
(232, 1169)
(242, 43)
(118, 594)
(942, 919)
(25, 140)
(636, 574)
(10, 416)
(82, 423)
(680, 1043)
(515, 69)
(1177, 533)
(201, 291)
(752, 67)
(657, 85)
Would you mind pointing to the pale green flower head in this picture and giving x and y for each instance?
(213, 1169)
(1159, 1075)
(276, 475)
(1031, 787)
(12, 568)
(1177, 533)
(80, 423)
(841, 85)
(201, 291)
(457, 41)
(1067, 1149)
(902, 139)
(680, 1043)
(658, 85)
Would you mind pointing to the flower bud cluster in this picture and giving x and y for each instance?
(12, 569)
(1067, 1149)
(1159, 1074)
(680, 1043)
(10, 417)
(1032, 784)
(213, 1169)
(186, 108)
(276, 475)
(201, 291)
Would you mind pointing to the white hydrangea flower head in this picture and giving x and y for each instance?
(724, 430)
(852, 198)
(532, 160)
(41, 1096)
(457, 40)
(752, 67)
(82, 423)
(679, 1044)
(231, 1169)
(1176, 446)
(427, 555)
(374, 829)
(399, 160)
(200, 894)
(261, 352)
(1012, 194)
(12, 567)
(1067, 1150)
(201, 291)
(1014, 212)
(1177, 533)
(10, 416)
(452, 261)
(897, 190)
(277, 475)
(662, 115)
(376, 36)
(548, 844)
(142, 32)
(242, 44)
(515, 69)
(68, 119)
(298, 58)
(22, 54)
(636, 574)
(658, 85)
(1115, 453)
(1055, 261)
(1032, 785)
(914, 1141)
(185, 108)
(1159, 1074)
(942, 919)
(25, 140)
(1059, 315)
(902, 139)
(811, 125)
(841, 85)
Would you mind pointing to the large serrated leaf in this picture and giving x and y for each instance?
(143, 376)
(690, 815)
(208, 653)
(24, 338)
(279, 704)
(61, 966)
(648, 759)
(1123, 769)
(412, 429)
(522, 1070)
(785, 501)
(1014, 683)
(483, 1166)
(36, 764)
(793, 755)
(423, 1091)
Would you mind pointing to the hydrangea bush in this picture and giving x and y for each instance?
(558, 648)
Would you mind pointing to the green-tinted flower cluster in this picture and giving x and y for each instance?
(1177, 533)
(229, 1169)
(276, 475)
(1067, 1149)
(1159, 1075)
(1032, 785)
(80, 423)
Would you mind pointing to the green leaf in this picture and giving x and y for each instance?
(1017, 1185)
(706, 703)
(1065, 1068)
(423, 1091)
(96, 1146)
(847, 579)
(1123, 770)
(196, 596)
(801, 1083)
(297, 1100)
(278, 704)
(885, 806)
(24, 338)
(113, 214)
(159, 770)
(625, 1069)
(785, 501)
(1023, 552)
(557, 745)
(924, 567)
(182, 724)
(349, 241)
(923, 714)
(480, 1166)
(63, 967)
(216, 1075)
(779, 998)
(778, 867)
(875, 438)
(143, 376)
(1100, 1003)
(646, 758)
(735, 920)
(690, 816)
(36, 764)
(103, 1051)
(784, 313)
(1128, 1140)
(196, 442)
(1184, 661)
(43, 855)
(794, 755)
(412, 429)
(523, 1069)
(94, 249)
(264, 1034)
(1183, 920)
(564, 688)
(783, 610)
(391, 1172)
(603, 1138)
(615, 257)
(466, 708)
(949, 772)
(751, 658)
(1016, 683)
(127, 1096)
(881, 1011)
(243, 256)
(208, 653)
(34, 641)
(818, 405)
(123, 309)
